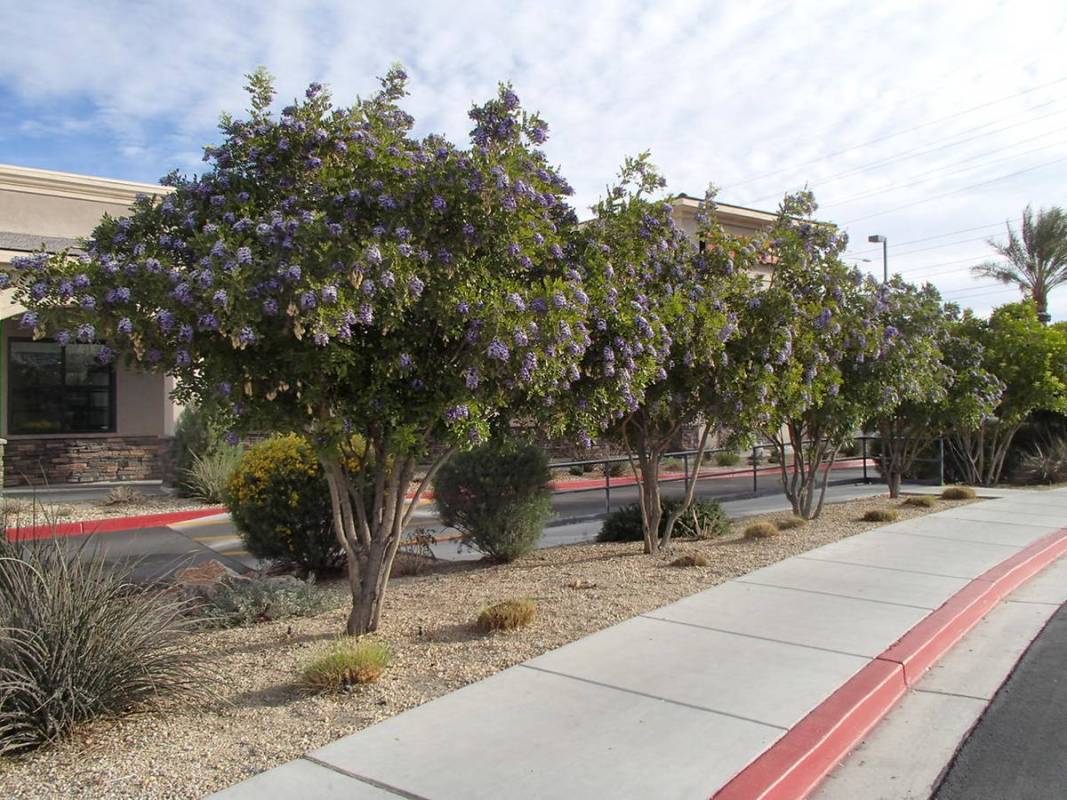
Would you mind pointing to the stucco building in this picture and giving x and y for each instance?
(67, 419)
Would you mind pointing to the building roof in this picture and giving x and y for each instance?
(68, 184)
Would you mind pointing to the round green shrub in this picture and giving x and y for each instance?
(958, 493)
(497, 496)
(280, 504)
(624, 524)
(727, 458)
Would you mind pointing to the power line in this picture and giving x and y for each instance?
(940, 236)
(948, 141)
(920, 179)
(956, 191)
(899, 133)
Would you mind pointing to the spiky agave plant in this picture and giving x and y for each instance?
(79, 640)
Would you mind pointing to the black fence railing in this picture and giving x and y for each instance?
(760, 476)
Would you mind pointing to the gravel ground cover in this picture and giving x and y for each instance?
(26, 512)
(263, 718)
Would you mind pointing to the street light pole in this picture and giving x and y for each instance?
(875, 238)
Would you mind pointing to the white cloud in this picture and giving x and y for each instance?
(722, 92)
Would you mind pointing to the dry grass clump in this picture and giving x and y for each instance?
(690, 560)
(123, 496)
(507, 615)
(880, 515)
(346, 663)
(921, 501)
(958, 493)
(789, 523)
(761, 530)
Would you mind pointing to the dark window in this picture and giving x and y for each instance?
(59, 389)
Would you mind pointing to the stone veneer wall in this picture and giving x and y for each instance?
(40, 461)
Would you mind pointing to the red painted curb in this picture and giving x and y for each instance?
(794, 765)
(110, 525)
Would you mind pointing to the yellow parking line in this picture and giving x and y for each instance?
(233, 552)
(198, 523)
(215, 537)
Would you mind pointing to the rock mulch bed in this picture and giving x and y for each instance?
(27, 512)
(262, 718)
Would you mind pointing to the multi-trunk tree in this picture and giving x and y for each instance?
(386, 296)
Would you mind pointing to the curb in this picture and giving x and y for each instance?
(794, 765)
(91, 526)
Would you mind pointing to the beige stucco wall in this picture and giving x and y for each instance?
(53, 204)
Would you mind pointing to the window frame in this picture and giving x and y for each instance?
(9, 391)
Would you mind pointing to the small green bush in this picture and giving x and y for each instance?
(251, 600)
(761, 530)
(727, 458)
(958, 493)
(619, 469)
(789, 523)
(346, 663)
(507, 615)
(79, 641)
(194, 436)
(1044, 463)
(280, 504)
(206, 479)
(577, 470)
(704, 519)
(920, 501)
(690, 560)
(880, 515)
(497, 496)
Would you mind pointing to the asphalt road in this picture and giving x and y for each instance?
(156, 553)
(1018, 749)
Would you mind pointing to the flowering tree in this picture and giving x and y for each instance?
(815, 325)
(332, 275)
(927, 380)
(683, 376)
(1028, 362)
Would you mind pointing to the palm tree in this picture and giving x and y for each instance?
(1036, 255)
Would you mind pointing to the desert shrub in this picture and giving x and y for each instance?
(345, 663)
(577, 470)
(247, 601)
(206, 479)
(619, 469)
(122, 496)
(690, 560)
(789, 523)
(79, 641)
(1044, 463)
(704, 519)
(958, 493)
(727, 458)
(761, 530)
(414, 555)
(507, 615)
(497, 496)
(195, 435)
(920, 501)
(280, 505)
(880, 515)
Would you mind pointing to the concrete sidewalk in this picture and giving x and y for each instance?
(677, 702)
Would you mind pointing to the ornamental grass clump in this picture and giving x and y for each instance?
(789, 523)
(880, 515)
(79, 641)
(507, 615)
(761, 530)
(958, 493)
(690, 560)
(920, 501)
(346, 663)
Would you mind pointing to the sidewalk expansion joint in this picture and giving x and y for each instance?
(692, 706)
(1002, 522)
(363, 779)
(834, 594)
(887, 569)
(1034, 603)
(754, 636)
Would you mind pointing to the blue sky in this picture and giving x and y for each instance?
(928, 122)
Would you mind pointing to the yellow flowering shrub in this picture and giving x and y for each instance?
(280, 504)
